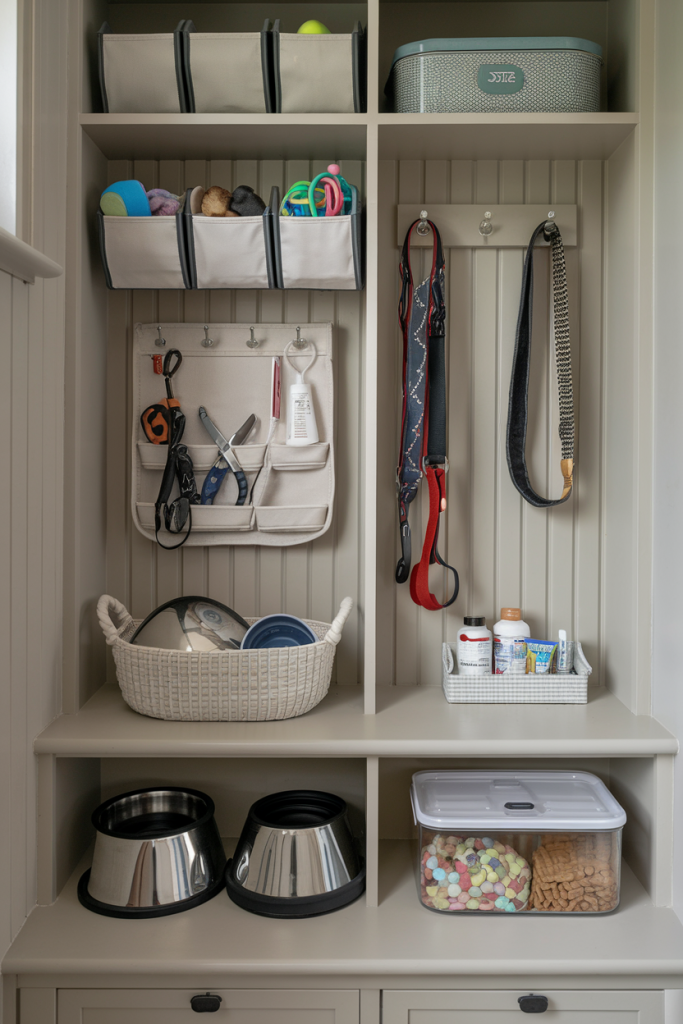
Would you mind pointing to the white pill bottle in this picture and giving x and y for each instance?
(510, 634)
(475, 647)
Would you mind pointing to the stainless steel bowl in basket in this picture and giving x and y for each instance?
(296, 857)
(220, 685)
(157, 852)
(192, 624)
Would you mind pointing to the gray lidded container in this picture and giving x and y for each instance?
(487, 75)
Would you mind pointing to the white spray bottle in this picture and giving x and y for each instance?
(302, 428)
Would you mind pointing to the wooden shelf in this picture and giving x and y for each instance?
(399, 938)
(410, 721)
(227, 136)
(503, 136)
(317, 136)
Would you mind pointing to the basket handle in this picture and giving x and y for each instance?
(333, 635)
(105, 607)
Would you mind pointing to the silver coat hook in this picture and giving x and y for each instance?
(486, 227)
(207, 342)
(159, 342)
(423, 227)
(550, 226)
(300, 342)
(252, 342)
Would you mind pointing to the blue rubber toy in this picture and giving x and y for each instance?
(125, 199)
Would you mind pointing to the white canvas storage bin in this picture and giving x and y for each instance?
(517, 842)
(290, 497)
(142, 73)
(229, 72)
(318, 252)
(542, 74)
(227, 252)
(319, 73)
(515, 689)
(144, 252)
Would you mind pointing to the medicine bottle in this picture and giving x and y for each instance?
(510, 634)
(474, 648)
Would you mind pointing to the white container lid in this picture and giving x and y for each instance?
(530, 801)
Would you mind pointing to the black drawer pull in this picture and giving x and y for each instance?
(519, 806)
(206, 1003)
(533, 1004)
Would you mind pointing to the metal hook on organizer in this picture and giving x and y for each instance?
(252, 341)
(550, 226)
(207, 342)
(485, 226)
(300, 342)
(159, 342)
(423, 227)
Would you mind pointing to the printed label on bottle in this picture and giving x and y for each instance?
(302, 409)
(500, 79)
(474, 655)
(509, 656)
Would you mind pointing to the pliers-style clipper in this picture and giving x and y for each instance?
(227, 460)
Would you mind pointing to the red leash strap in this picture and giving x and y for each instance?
(419, 578)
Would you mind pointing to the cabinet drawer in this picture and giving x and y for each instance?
(564, 1007)
(172, 1006)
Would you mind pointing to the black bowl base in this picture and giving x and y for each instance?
(295, 906)
(109, 910)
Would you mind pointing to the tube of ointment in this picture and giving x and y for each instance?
(302, 428)
(274, 397)
(565, 653)
(539, 657)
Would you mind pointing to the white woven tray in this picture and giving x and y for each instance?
(513, 689)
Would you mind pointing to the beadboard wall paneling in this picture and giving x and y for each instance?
(32, 340)
(309, 579)
(506, 552)
(31, 354)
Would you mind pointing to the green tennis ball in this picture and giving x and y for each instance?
(314, 28)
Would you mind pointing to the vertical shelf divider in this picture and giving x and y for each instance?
(371, 364)
(372, 833)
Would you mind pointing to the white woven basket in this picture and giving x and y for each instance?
(220, 686)
(515, 689)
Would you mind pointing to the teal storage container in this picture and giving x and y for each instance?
(549, 74)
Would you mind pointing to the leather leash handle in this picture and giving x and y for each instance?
(518, 407)
(419, 578)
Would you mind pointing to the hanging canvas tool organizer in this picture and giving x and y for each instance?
(273, 493)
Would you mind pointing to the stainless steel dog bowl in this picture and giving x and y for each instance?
(296, 857)
(192, 624)
(157, 852)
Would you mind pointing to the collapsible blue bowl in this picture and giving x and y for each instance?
(278, 631)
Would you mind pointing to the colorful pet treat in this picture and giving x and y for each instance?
(473, 874)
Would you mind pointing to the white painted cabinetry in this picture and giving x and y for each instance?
(585, 566)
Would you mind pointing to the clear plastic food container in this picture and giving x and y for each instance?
(517, 842)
